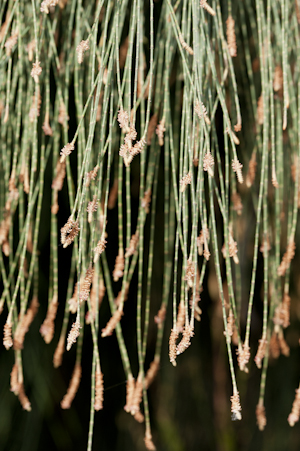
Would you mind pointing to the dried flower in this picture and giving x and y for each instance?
(130, 388)
(80, 49)
(152, 371)
(69, 232)
(73, 334)
(204, 5)
(91, 176)
(261, 416)
(287, 258)
(24, 401)
(7, 339)
(278, 79)
(47, 328)
(137, 396)
(251, 170)
(57, 357)
(172, 346)
(132, 245)
(201, 111)
(24, 323)
(185, 46)
(11, 42)
(30, 49)
(113, 194)
(151, 128)
(36, 71)
(119, 266)
(282, 312)
(101, 245)
(85, 286)
(237, 203)
(260, 110)
(73, 387)
(231, 39)
(261, 351)
(160, 130)
(190, 272)
(208, 163)
(185, 181)
(237, 168)
(98, 405)
(235, 406)
(66, 151)
(112, 323)
(188, 333)
(14, 379)
(146, 200)
(243, 356)
(148, 441)
(160, 317)
(60, 173)
(295, 413)
(62, 114)
(123, 120)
